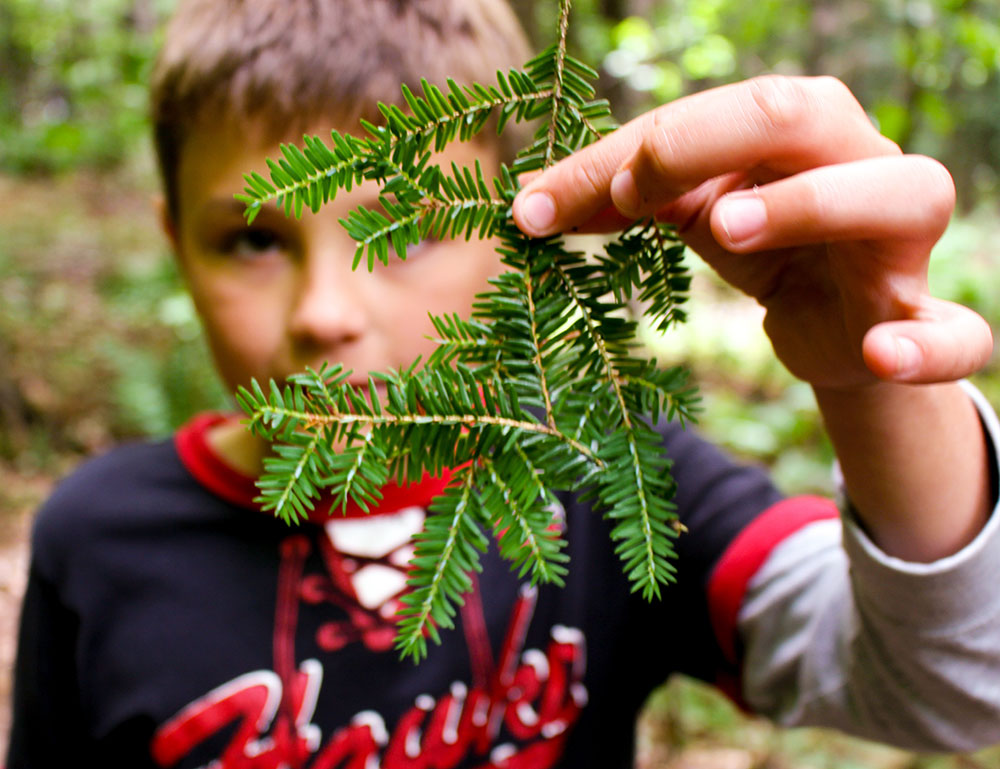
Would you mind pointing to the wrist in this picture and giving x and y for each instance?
(915, 464)
(873, 394)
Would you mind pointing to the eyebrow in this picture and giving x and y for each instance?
(223, 211)
(227, 209)
(222, 205)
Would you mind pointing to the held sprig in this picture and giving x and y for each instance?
(540, 391)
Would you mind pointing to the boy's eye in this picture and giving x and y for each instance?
(252, 243)
(414, 251)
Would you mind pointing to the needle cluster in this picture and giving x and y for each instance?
(542, 390)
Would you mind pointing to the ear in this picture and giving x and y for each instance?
(167, 222)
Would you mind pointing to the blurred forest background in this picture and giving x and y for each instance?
(99, 343)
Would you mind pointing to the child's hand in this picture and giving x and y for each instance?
(784, 186)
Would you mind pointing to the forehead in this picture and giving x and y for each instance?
(213, 160)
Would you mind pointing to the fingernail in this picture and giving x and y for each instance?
(743, 217)
(538, 211)
(624, 193)
(907, 356)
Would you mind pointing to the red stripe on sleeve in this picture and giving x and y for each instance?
(747, 553)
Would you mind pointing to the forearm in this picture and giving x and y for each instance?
(915, 465)
(838, 634)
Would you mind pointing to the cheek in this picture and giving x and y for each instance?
(450, 283)
(447, 286)
(468, 268)
(243, 331)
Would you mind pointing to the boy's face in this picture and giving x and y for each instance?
(280, 295)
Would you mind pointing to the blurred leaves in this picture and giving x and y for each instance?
(73, 84)
(689, 725)
(98, 341)
(73, 80)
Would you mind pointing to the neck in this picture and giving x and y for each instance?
(237, 447)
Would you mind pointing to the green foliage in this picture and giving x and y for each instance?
(99, 342)
(540, 391)
(73, 84)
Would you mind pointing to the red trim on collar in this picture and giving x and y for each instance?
(746, 554)
(211, 471)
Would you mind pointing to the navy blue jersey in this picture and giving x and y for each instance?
(169, 623)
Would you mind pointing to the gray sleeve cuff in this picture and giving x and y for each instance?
(877, 646)
(946, 593)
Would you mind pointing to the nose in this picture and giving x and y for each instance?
(329, 309)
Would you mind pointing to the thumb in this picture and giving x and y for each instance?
(943, 342)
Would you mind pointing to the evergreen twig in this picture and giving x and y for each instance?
(540, 391)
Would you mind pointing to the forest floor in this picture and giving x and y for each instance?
(64, 244)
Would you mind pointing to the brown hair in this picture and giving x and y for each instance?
(288, 64)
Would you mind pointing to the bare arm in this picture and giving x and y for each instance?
(915, 468)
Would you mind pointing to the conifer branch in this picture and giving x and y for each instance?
(557, 88)
(291, 500)
(530, 539)
(598, 340)
(425, 609)
(651, 579)
(350, 488)
(443, 117)
(537, 350)
(311, 420)
(539, 392)
(652, 576)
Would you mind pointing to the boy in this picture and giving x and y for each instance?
(169, 623)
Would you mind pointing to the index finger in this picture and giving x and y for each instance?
(782, 124)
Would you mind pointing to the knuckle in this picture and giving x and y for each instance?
(834, 95)
(937, 187)
(888, 146)
(663, 143)
(783, 102)
(586, 180)
(836, 91)
(800, 105)
(818, 195)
